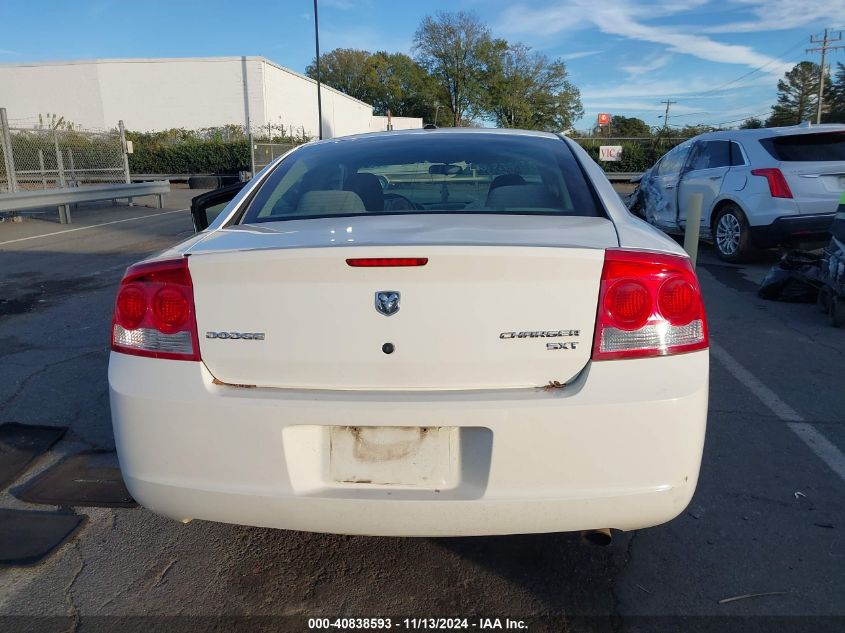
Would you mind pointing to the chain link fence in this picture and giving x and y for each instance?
(46, 157)
(264, 153)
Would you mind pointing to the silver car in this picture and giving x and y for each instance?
(761, 188)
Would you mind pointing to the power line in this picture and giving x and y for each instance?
(745, 118)
(824, 48)
(749, 73)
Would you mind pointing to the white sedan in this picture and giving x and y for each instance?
(421, 333)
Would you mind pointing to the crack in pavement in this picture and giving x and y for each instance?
(616, 617)
(41, 370)
(73, 610)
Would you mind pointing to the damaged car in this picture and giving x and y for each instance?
(760, 188)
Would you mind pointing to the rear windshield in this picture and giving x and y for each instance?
(825, 146)
(426, 173)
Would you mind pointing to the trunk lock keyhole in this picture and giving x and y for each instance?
(388, 348)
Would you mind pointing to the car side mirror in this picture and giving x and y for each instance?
(206, 207)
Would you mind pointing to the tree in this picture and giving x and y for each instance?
(456, 49)
(798, 94)
(629, 126)
(751, 124)
(528, 90)
(401, 86)
(836, 98)
(347, 70)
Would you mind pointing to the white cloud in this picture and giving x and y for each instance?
(777, 15)
(687, 88)
(630, 21)
(579, 54)
(648, 65)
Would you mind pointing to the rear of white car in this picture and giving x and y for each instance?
(415, 373)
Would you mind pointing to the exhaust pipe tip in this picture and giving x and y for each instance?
(601, 537)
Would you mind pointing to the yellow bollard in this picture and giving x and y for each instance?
(693, 227)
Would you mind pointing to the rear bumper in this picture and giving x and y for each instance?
(621, 448)
(793, 228)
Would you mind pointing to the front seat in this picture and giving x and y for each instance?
(506, 180)
(503, 180)
(368, 188)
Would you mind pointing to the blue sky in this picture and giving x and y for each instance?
(720, 60)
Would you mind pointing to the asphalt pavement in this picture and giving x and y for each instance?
(760, 547)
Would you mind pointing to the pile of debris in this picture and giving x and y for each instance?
(802, 276)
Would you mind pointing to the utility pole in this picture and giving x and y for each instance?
(824, 48)
(668, 103)
(319, 100)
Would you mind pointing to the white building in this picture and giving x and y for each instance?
(190, 93)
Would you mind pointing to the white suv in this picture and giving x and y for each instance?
(761, 187)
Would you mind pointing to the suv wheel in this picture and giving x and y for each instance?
(731, 236)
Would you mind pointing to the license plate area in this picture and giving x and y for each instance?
(419, 457)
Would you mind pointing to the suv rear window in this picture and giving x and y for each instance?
(820, 146)
(426, 173)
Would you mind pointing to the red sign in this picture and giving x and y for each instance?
(604, 119)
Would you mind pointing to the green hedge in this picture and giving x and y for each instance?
(216, 156)
(636, 156)
(191, 156)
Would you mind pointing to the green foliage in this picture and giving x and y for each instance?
(529, 91)
(461, 75)
(402, 86)
(223, 150)
(180, 151)
(752, 124)
(191, 156)
(798, 95)
(458, 51)
(348, 70)
(637, 156)
(836, 98)
(631, 127)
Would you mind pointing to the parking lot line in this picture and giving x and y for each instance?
(823, 448)
(93, 226)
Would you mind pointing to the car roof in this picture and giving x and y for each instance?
(452, 131)
(768, 132)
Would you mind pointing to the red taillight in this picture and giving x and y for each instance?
(154, 312)
(386, 262)
(778, 186)
(649, 305)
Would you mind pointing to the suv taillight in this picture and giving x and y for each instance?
(154, 312)
(778, 186)
(649, 305)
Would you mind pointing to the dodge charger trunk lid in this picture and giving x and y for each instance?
(502, 301)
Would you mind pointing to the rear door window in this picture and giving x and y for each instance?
(816, 147)
(674, 161)
(710, 154)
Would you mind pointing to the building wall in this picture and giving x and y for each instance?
(69, 90)
(157, 94)
(291, 99)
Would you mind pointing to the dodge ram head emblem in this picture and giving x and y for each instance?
(387, 302)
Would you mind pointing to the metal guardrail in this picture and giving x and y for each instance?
(623, 176)
(63, 198)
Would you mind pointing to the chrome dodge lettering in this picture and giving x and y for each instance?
(244, 336)
(540, 334)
